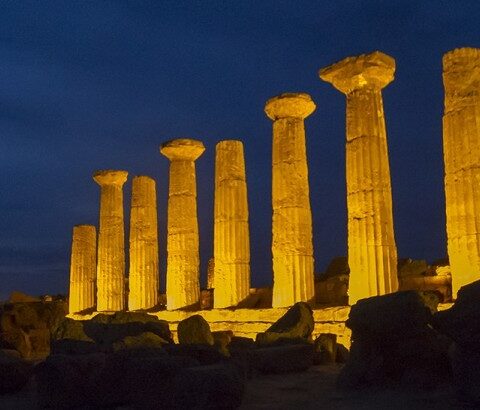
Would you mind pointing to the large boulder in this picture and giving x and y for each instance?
(141, 341)
(142, 378)
(203, 353)
(393, 344)
(107, 331)
(461, 323)
(296, 323)
(194, 330)
(14, 373)
(66, 381)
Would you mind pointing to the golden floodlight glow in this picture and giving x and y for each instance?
(111, 247)
(372, 253)
(461, 150)
(183, 270)
(143, 273)
(231, 247)
(292, 245)
(83, 268)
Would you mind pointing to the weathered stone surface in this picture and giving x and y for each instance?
(111, 246)
(461, 144)
(183, 286)
(217, 386)
(231, 242)
(27, 326)
(14, 373)
(143, 279)
(104, 330)
(394, 344)
(194, 330)
(283, 359)
(68, 381)
(292, 247)
(372, 252)
(325, 348)
(202, 353)
(221, 340)
(83, 269)
(397, 315)
(141, 341)
(297, 323)
(332, 290)
(338, 266)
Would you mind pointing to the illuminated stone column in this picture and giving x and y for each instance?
(111, 248)
(83, 269)
(183, 270)
(372, 253)
(461, 150)
(231, 242)
(292, 247)
(143, 274)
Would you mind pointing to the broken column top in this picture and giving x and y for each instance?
(374, 70)
(182, 149)
(110, 177)
(461, 68)
(295, 105)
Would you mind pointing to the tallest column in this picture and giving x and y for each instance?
(292, 247)
(461, 150)
(372, 253)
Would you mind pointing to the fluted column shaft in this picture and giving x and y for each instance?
(143, 274)
(372, 252)
(111, 246)
(292, 245)
(461, 149)
(231, 233)
(83, 269)
(183, 262)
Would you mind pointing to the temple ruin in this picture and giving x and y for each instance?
(372, 252)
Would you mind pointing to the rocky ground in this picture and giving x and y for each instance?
(312, 389)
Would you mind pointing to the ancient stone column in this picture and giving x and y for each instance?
(231, 241)
(292, 247)
(372, 253)
(143, 274)
(83, 268)
(111, 248)
(461, 150)
(183, 270)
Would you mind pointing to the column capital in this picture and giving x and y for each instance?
(110, 177)
(461, 68)
(374, 70)
(290, 105)
(182, 149)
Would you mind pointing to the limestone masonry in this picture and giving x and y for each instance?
(98, 280)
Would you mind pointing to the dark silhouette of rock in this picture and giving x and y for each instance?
(68, 381)
(203, 353)
(296, 323)
(325, 348)
(461, 323)
(194, 330)
(221, 340)
(217, 386)
(283, 359)
(14, 372)
(121, 327)
(394, 344)
(143, 340)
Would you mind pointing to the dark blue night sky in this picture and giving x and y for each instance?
(87, 85)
